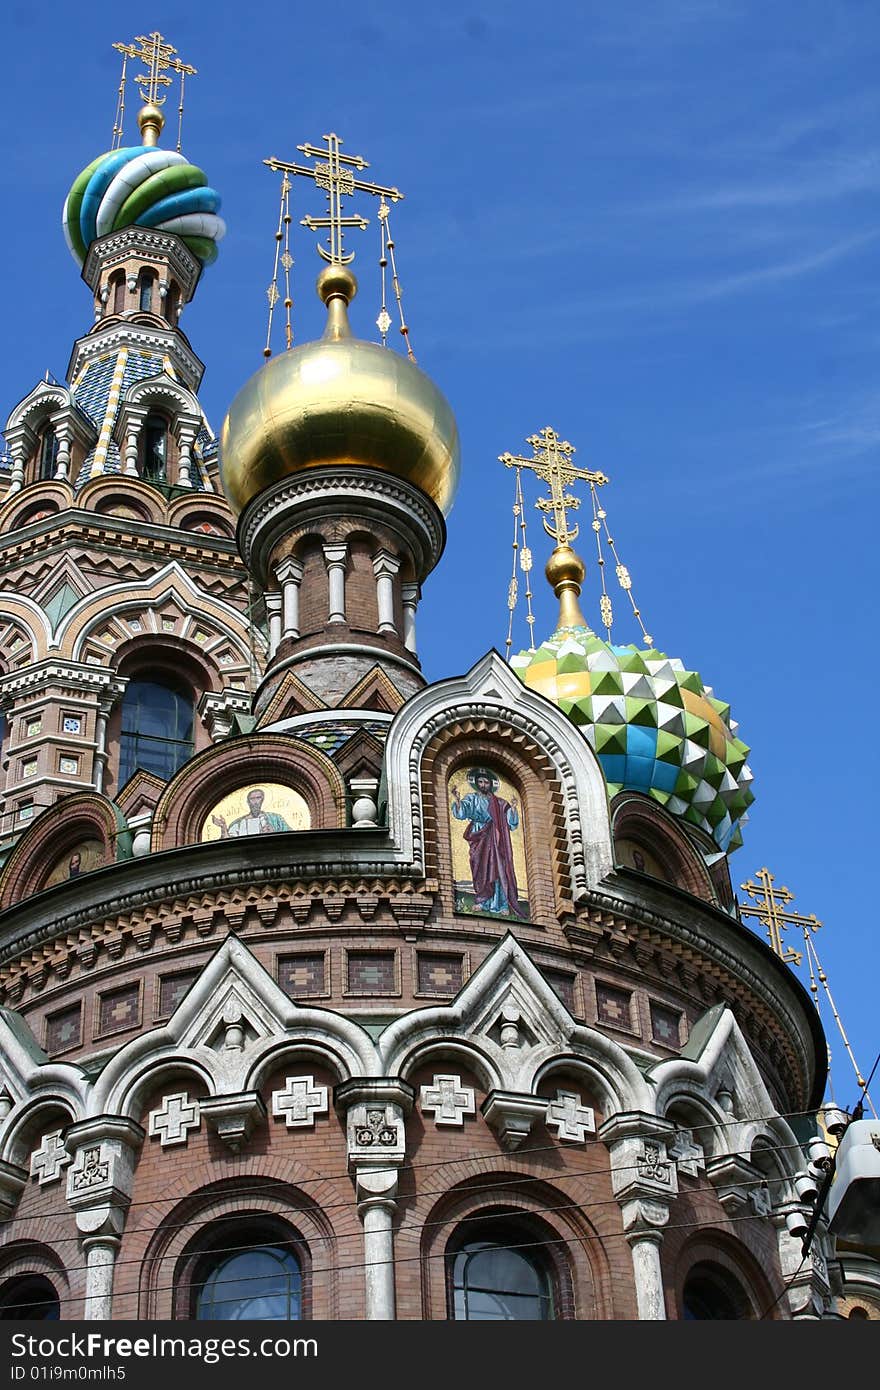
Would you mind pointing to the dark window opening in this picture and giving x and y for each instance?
(119, 295)
(157, 729)
(500, 1279)
(155, 449)
(172, 304)
(48, 454)
(145, 297)
(711, 1293)
(32, 1297)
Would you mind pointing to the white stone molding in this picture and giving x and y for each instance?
(50, 1159)
(448, 1100)
(234, 1118)
(172, 1122)
(137, 337)
(300, 1102)
(217, 711)
(512, 1116)
(415, 523)
(490, 690)
(13, 1181)
(571, 1119)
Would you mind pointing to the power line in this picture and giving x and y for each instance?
(463, 1158)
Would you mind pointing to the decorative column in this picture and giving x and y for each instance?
(131, 448)
(644, 1181)
(184, 463)
(375, 1112)
(409, 595)
(19, 456)
(336, 557)
(99, 1182)
(289, 575)
(113, 691)
(273, 612)
(62, 463)
(385, 567)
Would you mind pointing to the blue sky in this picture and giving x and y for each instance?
(653, 226)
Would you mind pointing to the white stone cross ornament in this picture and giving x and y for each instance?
(173, 1121)
(48, 1160)
(300, 1101)
(449, 1100)
(689, 1157)
(571, 1120)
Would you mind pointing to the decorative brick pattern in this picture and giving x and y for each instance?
(173, 989)
(439, 974)
(64, 1029)
(303, 976)
(372, 972)
(665, 1025)
(563, 985)
(119, 1009)
(613, 1006)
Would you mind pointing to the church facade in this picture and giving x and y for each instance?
(326, 992)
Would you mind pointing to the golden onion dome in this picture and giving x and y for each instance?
(339, 401)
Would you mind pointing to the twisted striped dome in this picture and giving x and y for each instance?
(146, 187)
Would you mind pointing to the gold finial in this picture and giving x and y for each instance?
(334, 174)
(551, 462)
(769, 908)
(157, 57)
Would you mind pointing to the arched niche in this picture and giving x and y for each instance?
(647, 839)
(57, 835)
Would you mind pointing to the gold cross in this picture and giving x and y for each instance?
(157, 56)
(769, 910)
(551, 462)
(334, 175)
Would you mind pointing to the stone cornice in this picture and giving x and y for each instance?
(315, 492)
(122, 333)
(90, 529)
(100, 680)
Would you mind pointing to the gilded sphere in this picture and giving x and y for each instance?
(564, 566)
(339, 401)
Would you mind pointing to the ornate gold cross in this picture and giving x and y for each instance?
(334, 174)
(769, 909)
(551, 462)
(157, 56)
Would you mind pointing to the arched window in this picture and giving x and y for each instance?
(263, 1283)
(156, 729)
(172, 303)
(48, 453)
(29, 1297)
(499, 1276)
(145, 291)
(118, 283)
(155, 449)
(711, 1292)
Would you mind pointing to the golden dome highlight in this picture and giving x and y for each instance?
(339, 401)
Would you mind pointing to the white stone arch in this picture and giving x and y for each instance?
(508, 980)
(491, 690)
(448, 1051)
(170, 583)
(29, 618)
(691, 1106)
(36, 407)
(163, 391)
(606, 1070)
(233, 983)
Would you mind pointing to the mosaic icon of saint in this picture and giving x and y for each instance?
(256, 822)
(490, 820)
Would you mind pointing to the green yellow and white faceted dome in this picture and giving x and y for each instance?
(653, 724)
